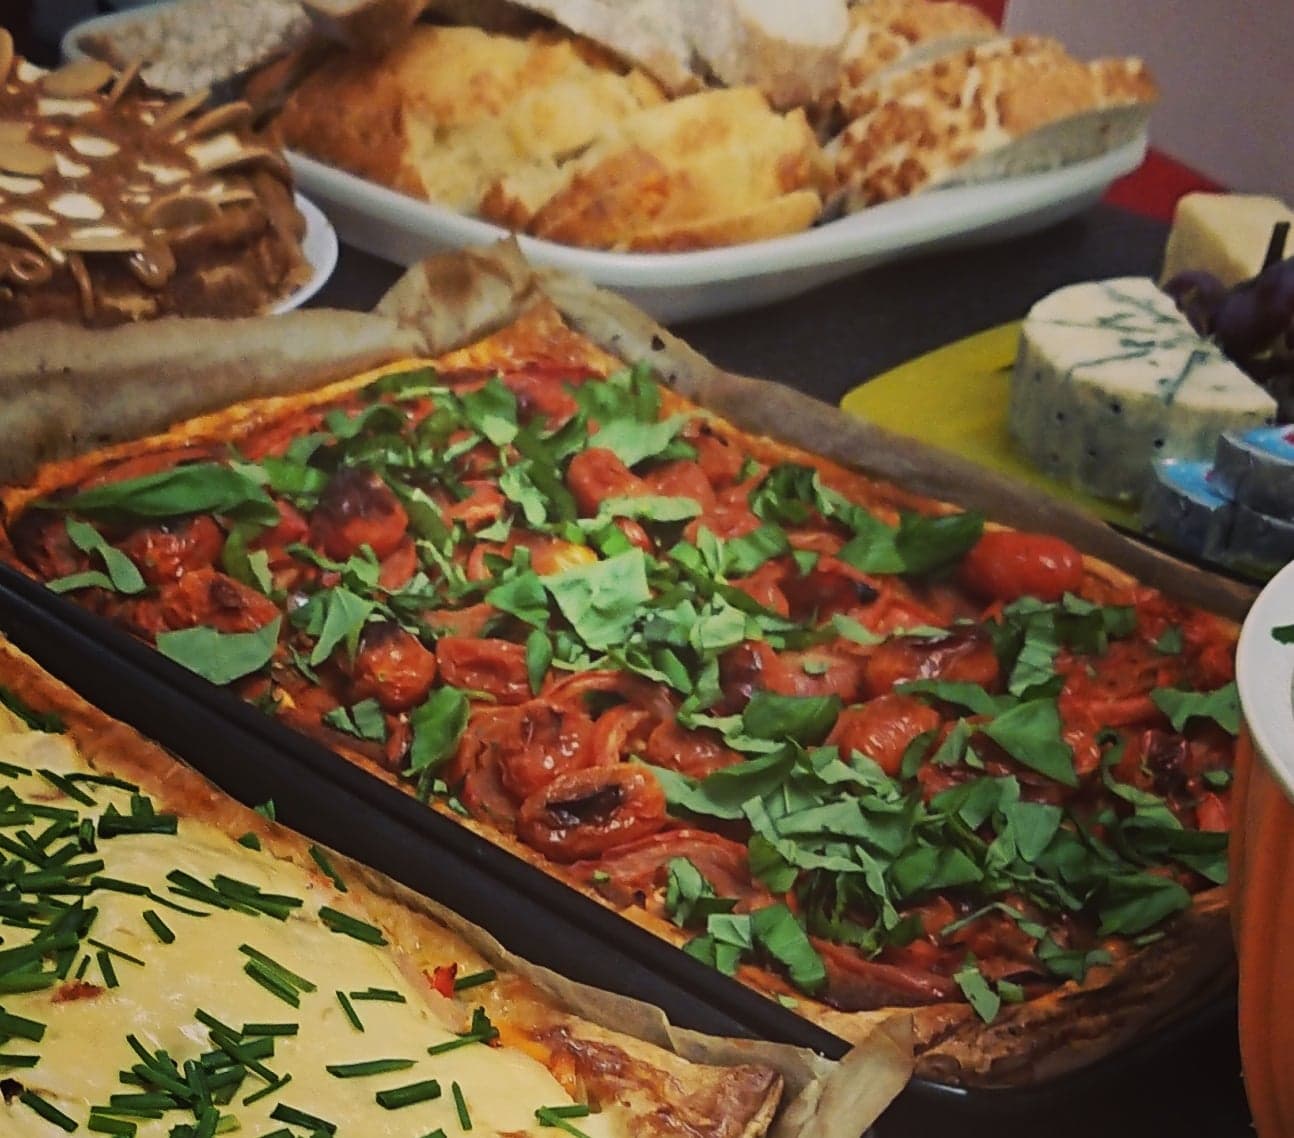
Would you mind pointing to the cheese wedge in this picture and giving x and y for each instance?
(1110, 376)
(1223, 234)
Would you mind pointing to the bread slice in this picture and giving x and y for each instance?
(452, 109)
(791, 52)
(1007, 107)
(712, 168)
(885, 34)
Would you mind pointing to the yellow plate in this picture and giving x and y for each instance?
(956, 398)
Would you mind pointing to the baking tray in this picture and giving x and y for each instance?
(1135, 1091)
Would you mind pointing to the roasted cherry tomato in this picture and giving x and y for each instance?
(883, 727)
(964, 656)
(166, 552)
(681, 479)
(597, 474)
(1005, 565)
(205, 596)
(533, 742)
(393, 667)
(496, 667)
(356, 509)
(582, 813)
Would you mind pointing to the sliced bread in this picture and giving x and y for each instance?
(1002, 108)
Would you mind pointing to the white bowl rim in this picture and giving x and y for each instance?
(1265, 677)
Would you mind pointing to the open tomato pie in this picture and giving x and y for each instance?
(860, 749)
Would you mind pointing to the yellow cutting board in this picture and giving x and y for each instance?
(956, 398)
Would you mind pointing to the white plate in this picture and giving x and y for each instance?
(1265, 676)
(319, 245)
(680, 286)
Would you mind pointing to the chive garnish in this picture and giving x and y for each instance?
(47, 1110)
(437, 1133)
(19, 1027)
(13, 1061)
(159, 927)
(101, 1124)
(105, 966)
(272, 982)
(557, 1116)
(269, 1029)
(481, 1031)
(460, 1105)
(291, 978)
(70, 789)
(82, 968)
(267, 1090)
(397, 1097)
(250, 840)
(351, 1014)
(294, 1117)
(340, 922)
(385, 995)
(474, 978)
(114, 951)
(325, 865)
(372, 1067)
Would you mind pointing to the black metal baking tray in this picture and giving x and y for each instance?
(1134, 1091)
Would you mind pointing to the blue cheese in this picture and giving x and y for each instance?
(1110, 376)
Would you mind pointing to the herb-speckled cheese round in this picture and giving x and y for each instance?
(1110, 376)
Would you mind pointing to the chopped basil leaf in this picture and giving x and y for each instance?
(364, 720)
(202, 487)
(603, 599)
(986, 1002)
(779, 934)
(344, 616)
(122, 574)
(1030, 734)
(437, 724)
(1170, 641)
(1222, 706)
(806, 719)
(689, 898)
(221, 657)
(539, 657)
(1283, 634)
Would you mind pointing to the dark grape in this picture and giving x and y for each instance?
(1255, 314)
(1198, 295)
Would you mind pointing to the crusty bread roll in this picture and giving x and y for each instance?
(1006, 107)
(708, 169)
(887, 34)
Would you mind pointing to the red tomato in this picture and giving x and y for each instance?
(532, 743)
(355, 509)
(393, 667)
(166, 552)
(882, 728)
(681, 479)
(719, 459)
(205, 596)
(496, 667)
(291, 528)
(481, 507)
(582, 813)
(597, 474)
(1213, 813)
(695, 753)
(1005, 565)
(962, 656)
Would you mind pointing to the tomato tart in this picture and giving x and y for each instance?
(863, 750)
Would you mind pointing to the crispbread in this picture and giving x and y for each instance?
(673, 177)
(887, 34)
(923, 126)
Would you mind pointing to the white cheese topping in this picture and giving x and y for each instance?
(84, 1045)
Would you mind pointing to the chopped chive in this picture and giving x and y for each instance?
(115, 885)
(460, 1105)
(351, 1014)
(269, 1029)
(557, 1116)
(102, 780)
(474, 978)
(175, 905)
(267, 1090)
(152, 1102)
(19, 1027)
(271, 981)
(281, 1132)
(291, 978)
(70, 789)
(340, 922)
(397, 1097)
(105, 966)
(47, 1110)
(13, 1061)
(372, 1067)
(160, 928)
(114, 951)
(385, 995)
(294, 1117)
(250, 840)
(326, 867)
(119, 1126)
(266, 810)
(82, 968)
(437, 1133)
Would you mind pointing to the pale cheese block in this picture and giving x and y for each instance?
(153, 991)
(1110, 376)
(1223, 234)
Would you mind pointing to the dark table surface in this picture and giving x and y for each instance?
(1187, 1082)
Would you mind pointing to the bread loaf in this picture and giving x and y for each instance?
(1006, 107)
